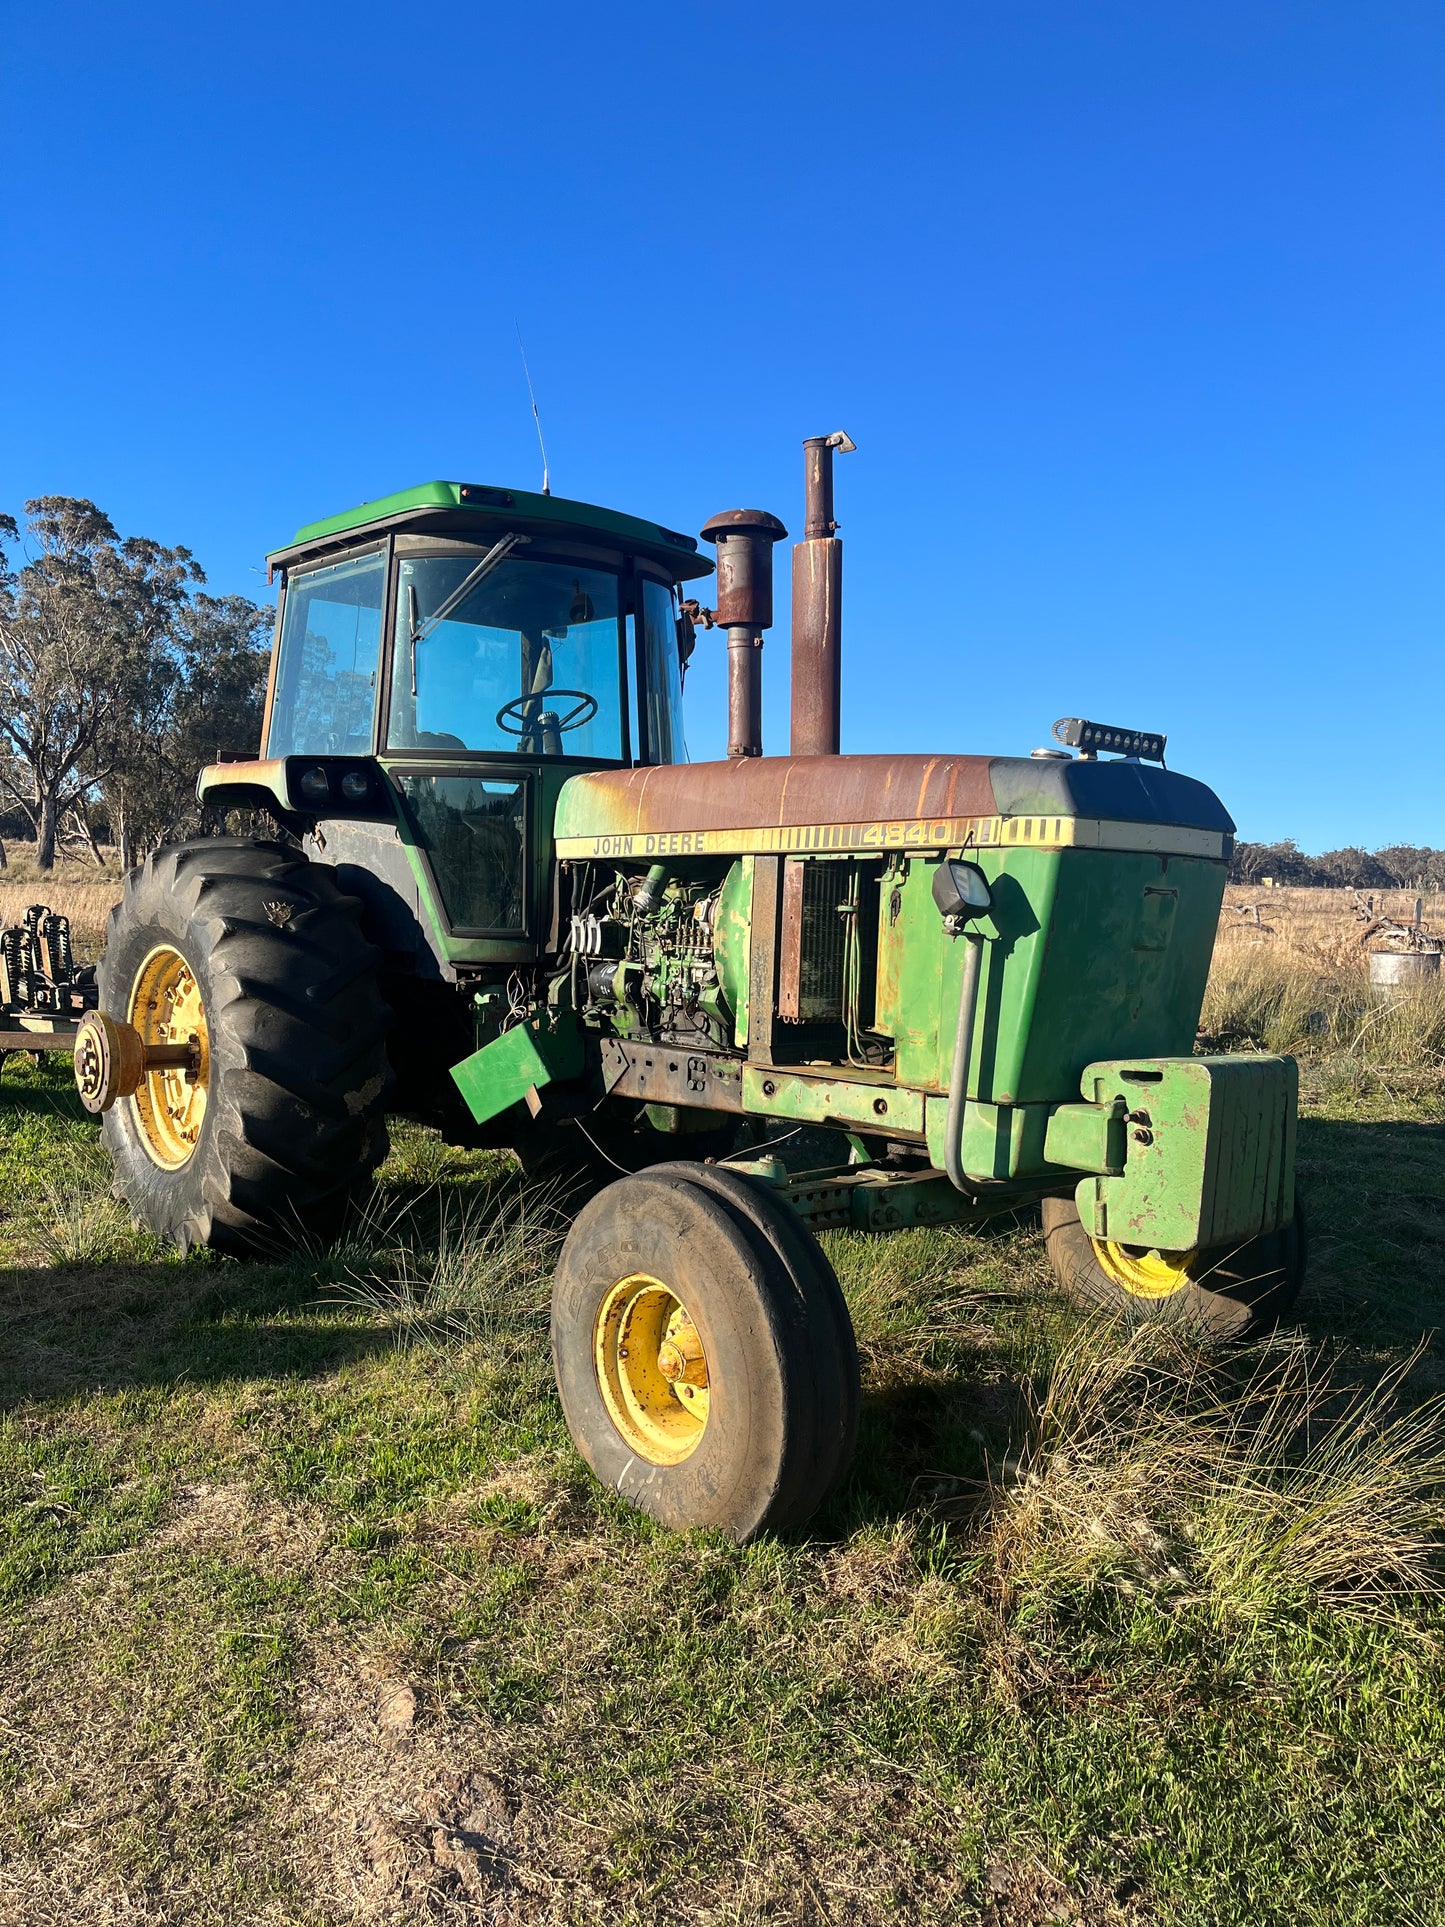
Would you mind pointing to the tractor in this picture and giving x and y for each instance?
(731, 1003)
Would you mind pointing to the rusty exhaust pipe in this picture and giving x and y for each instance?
(818, 608)
(744, 539)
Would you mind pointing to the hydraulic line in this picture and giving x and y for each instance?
(962, 1054)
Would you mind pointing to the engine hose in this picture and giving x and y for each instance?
(962, 1054)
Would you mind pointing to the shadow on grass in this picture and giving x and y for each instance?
(114, 1327)
(919, 1444)
(37, 1094)
(1374, 1197)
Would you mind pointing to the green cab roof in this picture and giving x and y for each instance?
(456, 508)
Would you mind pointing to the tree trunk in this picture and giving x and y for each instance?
(45, 834)
(82, 816)
(124, 838)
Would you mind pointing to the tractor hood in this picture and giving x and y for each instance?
(818, 803)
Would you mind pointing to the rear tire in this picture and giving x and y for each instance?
(1233, 1291)
(291, 1122)
(666, 1253)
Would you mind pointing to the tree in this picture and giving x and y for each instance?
(1285, 862)
(208, 704)
(1352, 869)
(1402, 866)
(113, 670)
(1410, 867)
(82, 628)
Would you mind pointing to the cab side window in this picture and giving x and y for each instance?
(326, 672)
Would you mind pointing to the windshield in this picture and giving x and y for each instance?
(326, 675)
(521, 656)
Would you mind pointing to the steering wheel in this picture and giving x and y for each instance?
(581, 712)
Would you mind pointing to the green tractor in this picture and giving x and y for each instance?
(740, 1000)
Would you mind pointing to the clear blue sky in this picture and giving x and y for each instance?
(1135, 313)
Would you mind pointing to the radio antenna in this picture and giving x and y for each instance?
(546, 482)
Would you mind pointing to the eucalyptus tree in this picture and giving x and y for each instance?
(211, 707)
(114, 668)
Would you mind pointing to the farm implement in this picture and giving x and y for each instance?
(731, 1002)
(44, 993)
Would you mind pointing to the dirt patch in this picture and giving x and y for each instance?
(234, 1520)
(405, 1820)
(1024, 1895)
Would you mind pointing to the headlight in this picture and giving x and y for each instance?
(356, 786)
(313, 785)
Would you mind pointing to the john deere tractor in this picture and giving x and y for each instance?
(740, 1000)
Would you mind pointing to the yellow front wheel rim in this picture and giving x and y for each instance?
(652, 1370)
(166, 1008)
(1141, 1272)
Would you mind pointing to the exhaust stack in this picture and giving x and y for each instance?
(744, 539)
(818, 608)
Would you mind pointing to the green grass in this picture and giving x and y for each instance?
(310, 1613)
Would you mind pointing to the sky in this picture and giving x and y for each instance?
(1133, 311)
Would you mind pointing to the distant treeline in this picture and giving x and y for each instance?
(1401, 866)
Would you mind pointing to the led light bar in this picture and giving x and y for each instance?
(1090, 738)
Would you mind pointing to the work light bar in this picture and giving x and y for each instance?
(1090, 738)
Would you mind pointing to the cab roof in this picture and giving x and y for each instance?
(461, 508)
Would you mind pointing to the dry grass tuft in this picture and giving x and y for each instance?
(480, 1270)
(80, 1224)
(1148, 1467)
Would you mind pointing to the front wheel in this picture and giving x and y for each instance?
(703, 1353)
(1235, 1290)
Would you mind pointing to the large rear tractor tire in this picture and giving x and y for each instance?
(1233, 1291)
(703, 1353)
(256, 957)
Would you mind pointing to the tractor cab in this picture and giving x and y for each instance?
(444, 659)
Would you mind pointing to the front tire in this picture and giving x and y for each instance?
(703, 1358)
(1233, 1291)
(257, 956)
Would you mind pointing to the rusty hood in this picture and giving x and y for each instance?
(774, 792)
(782, 793)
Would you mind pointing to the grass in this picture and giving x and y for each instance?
(309, 1612)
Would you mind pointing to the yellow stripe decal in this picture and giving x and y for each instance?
(946, 833)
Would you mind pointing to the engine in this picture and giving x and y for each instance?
(643, 956)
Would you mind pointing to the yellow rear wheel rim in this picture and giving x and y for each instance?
(1143, 1273)
(652, 1370)
(166, 1008)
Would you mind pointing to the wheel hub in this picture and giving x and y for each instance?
(168, 1013)
(1144, 1273)
(652, 1370)
(679, 1357)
